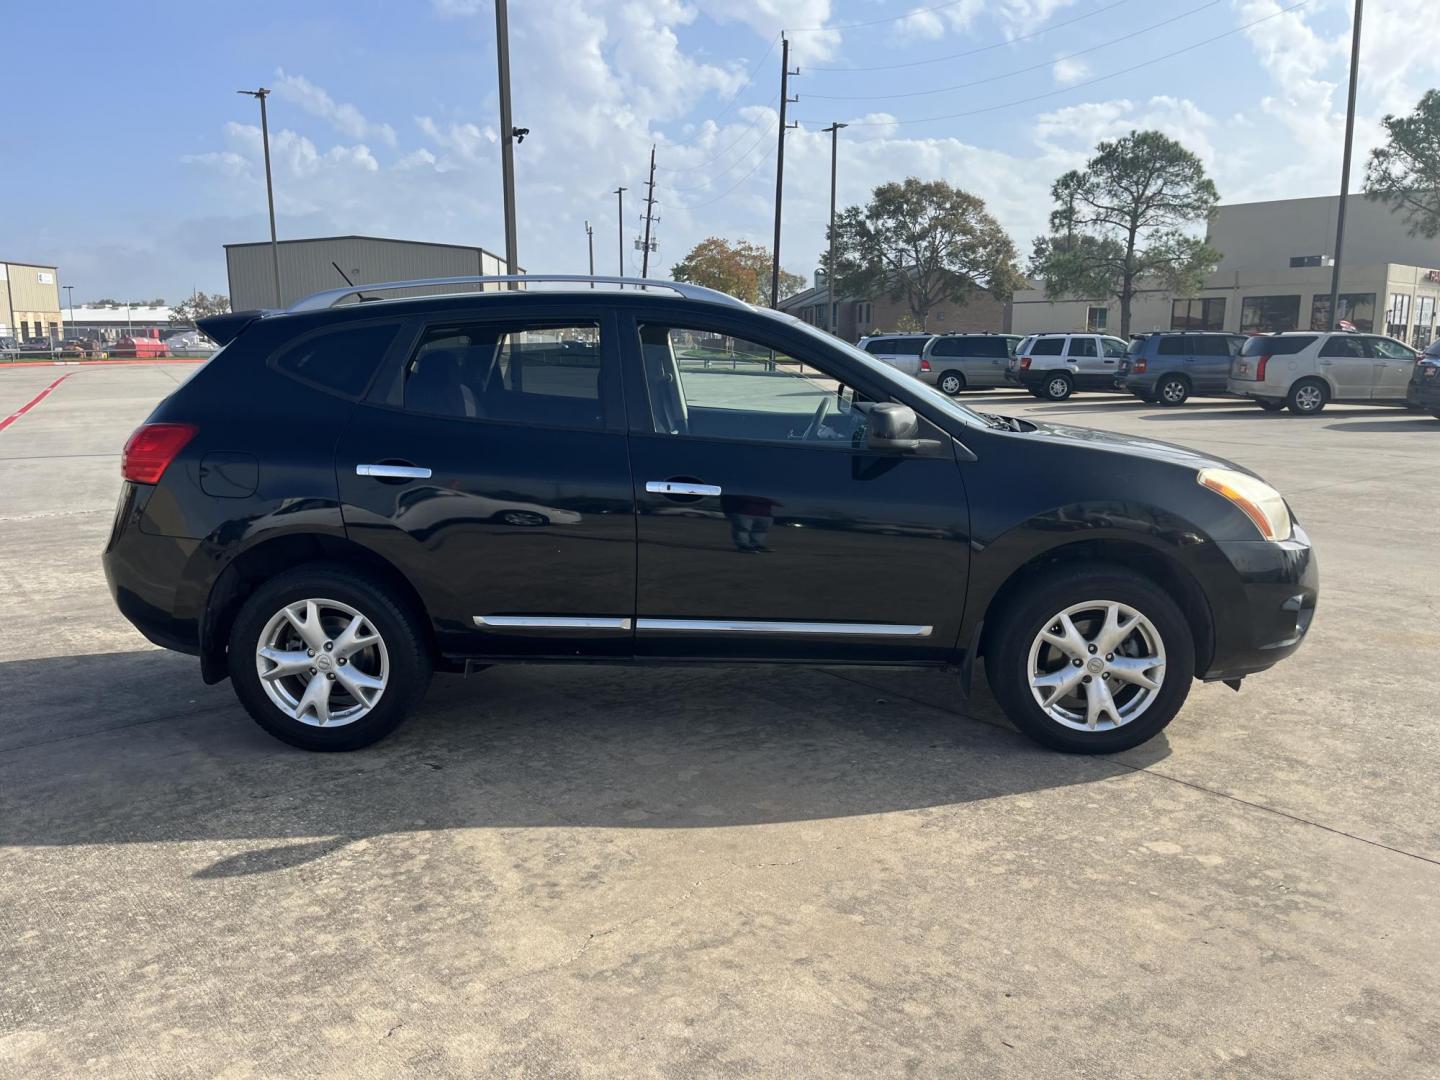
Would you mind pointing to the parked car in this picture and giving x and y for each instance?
(78, 347)
(959, 362)
(1305, 371)
(36, 347)
(9, 347)
(141, 348)
(1424, 389)
(1166, 367)
(1054, 366)
(671, 513)
(900, 351)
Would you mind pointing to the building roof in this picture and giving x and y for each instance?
(91, 315)
(22, 262)
(368, 239)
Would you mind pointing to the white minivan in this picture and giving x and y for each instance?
(1305, 371)
(900, 351)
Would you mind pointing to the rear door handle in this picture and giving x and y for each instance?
(676, 487)
(394, 472)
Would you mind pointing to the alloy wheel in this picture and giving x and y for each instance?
(1096, 666)
(322, 662)
(1309, 398)
(1173, 391)
(950, 384)
(1058, 389)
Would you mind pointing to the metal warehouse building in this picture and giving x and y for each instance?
(313, 265)
(29, 301)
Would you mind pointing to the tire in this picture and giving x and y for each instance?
(1307, 397)
(1171, 391)
(398, 656)
(1015, 651)
(951, 382)
(1270, 404)
(1058, 387)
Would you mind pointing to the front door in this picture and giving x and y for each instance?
(1394, 364)
(493, 472)
(1345, 360)
(765, 527)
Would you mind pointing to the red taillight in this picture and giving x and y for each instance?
(924, 365)
(1260, 368)
(1024, 363)
(151, 449)
(1140, 366)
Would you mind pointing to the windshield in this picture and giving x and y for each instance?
(932, 396)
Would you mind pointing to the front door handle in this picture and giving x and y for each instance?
(680, 487)
(394, 472)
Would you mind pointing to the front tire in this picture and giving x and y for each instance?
(1307, 397)
(1090, 661)
(1172, 391)
(1058, 387)
(327, 658)
(952, 383)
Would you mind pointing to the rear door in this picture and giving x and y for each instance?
(1346, 360)
(1394, 364)
(1207, 361)
(490, 466)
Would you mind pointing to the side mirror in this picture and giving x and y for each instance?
(895, 428)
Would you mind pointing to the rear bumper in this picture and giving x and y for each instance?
(153, 582)
(1424, 395)
(1263, 609)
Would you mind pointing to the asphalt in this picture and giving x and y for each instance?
(601, 871)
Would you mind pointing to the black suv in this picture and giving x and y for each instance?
(351, 495)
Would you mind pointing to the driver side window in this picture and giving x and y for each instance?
(708, 385)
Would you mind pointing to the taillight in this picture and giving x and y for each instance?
(151, 449)
(1024, 363)
(1140, 366)
(924, 364)
(1260, 368)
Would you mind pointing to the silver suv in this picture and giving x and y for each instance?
(1054, 366)
(1305, 371)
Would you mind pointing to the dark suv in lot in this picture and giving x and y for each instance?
(351, 495)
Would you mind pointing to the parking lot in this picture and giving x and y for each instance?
(594, 871)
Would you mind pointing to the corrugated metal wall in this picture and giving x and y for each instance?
(305, 266)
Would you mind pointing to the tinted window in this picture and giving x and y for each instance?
(953, 347)
(1173, 346)
(912, 346)
(1048, 346)
(1265, 345)
(539, 373)
(342, 360)
(1082, 346)
(1343, 345)
(1210, 345)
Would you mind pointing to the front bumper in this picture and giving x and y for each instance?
(1263, 608)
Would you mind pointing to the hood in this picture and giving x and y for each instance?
(1131, 445)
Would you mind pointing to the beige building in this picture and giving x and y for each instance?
(1274, 274)
(30, 302)
(855, 318)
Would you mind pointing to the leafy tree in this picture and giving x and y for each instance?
(1405, 172)
(198, 307)
(741, 269)
(1122, 219)
(924, 241)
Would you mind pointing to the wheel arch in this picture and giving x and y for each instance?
(267, 558)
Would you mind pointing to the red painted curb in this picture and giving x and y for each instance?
(32, 402)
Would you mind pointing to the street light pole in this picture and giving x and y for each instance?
(620, 226)
(70, 296)
(507, 134)
(834, 130)
(262, 94)
(785, 100)
(1345, 169)
(590, 242)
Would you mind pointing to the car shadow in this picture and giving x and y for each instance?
(1254, 412)
(1409, 423)
(130, 748)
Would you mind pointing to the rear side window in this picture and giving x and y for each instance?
(898, 346)
(970, 346)
(1082, 346)
(1265, 345)
(341, 360)
(1210, 345)
(1048, 346)
(535, 373)
(1173, 346)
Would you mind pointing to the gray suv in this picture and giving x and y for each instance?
(959, 362)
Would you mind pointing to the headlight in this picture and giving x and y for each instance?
(1260, 502)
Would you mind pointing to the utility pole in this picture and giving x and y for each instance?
(785, 100)
(590, 240)
(262, 94)
(649, 215)
(1345, 170)
(70, 295)
(834, 130)
(507, 134)
(620, 226)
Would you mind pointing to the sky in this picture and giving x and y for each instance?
(136, 161)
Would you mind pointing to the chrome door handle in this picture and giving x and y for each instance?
(675, 487)
(394, 472)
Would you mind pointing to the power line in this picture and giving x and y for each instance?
(749, 78)
(1080, 85)
(878, 22)
(1002, 43)
(758, 165)
(1022, 71)
(721, 172)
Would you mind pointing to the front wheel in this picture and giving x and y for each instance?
(1172, 390)
(1090, 661)
(325, 658)
(952, 383)
(1058, 387)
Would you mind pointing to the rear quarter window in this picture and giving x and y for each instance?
(1047, 346)
(1266, 345)
(341, 361)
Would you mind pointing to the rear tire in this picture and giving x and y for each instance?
(1171, 391)
(1016, 655)
(1270, 404)
(1058, 387)
(951, 382)
(359, 689)
(1307, 397)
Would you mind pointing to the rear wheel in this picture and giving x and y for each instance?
(1270, 404)
(952, 383)
(325, 658)
(1308, 397)
(1172, 390)
(1090, 661)
(1058, 387)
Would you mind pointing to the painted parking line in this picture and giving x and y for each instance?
(33, 402)
(98, 363)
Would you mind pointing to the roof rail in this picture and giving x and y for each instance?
(322, 301)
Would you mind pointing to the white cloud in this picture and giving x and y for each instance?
(1069, 70)
(346, 119)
